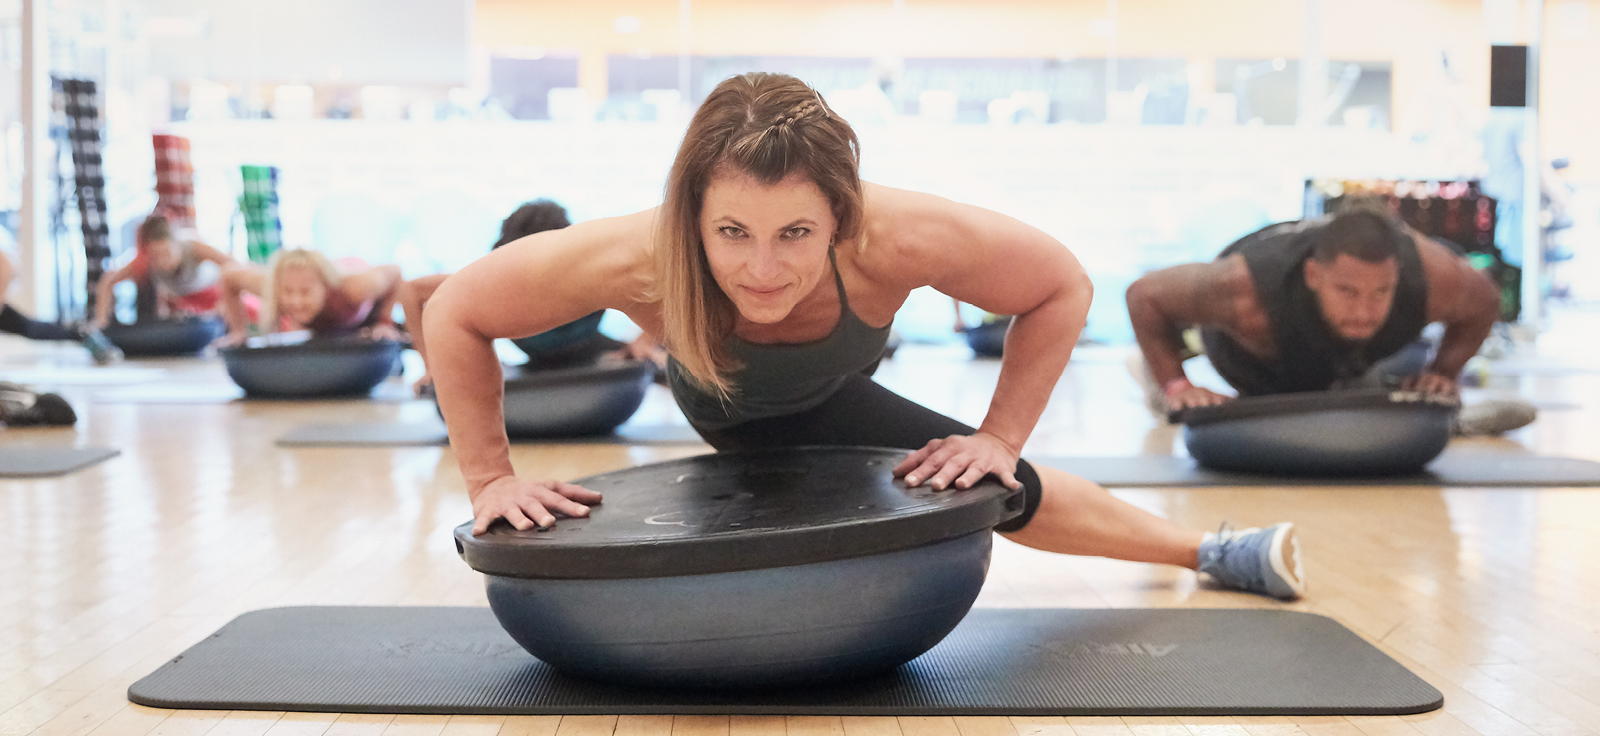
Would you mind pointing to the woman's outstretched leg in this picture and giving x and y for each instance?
(1077, 517)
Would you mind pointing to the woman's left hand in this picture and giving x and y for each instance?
(960, 460)
(384, 331)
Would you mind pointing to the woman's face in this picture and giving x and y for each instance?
(301, 294)
(767, 244)
(163, 257)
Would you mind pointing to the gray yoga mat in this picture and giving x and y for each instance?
(1450, 469)
(223, 393)
(419, 434)
(29, 461)
(1037, 661)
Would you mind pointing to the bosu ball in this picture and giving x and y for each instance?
(165, 338)
(744, 570)
(1336, 433)
(313, 369)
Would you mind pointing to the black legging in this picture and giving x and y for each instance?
(13, 322)
(862, 412)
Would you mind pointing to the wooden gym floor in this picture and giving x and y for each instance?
(1492, 595)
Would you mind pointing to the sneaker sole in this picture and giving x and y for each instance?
(1291, 571)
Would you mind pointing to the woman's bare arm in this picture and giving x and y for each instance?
(529, 286)
(105, 295)
(1002, 266)
(413, 295)
(235, 282)
(207, 253)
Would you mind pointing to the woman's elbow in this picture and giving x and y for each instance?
(1079, 290)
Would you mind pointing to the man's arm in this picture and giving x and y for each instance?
(1162, 304)
(1468, 304)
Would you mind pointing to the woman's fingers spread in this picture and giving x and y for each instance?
(915, 459)
(535, 512)
(576, 492)
(1008, 476)
(952, 469)
(566, 506)
(971, 477)
(515, 518)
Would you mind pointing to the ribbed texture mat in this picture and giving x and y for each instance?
(25, 461)
(997, 662)
(1450, 469)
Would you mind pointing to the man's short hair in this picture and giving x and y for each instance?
(1361, 229)
(532, 217)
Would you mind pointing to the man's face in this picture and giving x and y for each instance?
(1355, 295)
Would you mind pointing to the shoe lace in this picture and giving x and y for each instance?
(1211, 556)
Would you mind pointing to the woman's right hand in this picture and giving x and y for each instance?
(528, 503)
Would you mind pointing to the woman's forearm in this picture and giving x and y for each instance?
(411, 307)
(1037, 348)
(234, 283)
(470, 387)
(104, 299)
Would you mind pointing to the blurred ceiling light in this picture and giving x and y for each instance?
(1002, 111)
(1279, 63)
(292, 102)
(194, 26)
(626, 25)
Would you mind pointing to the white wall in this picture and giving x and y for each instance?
(1125, 200)
(310, 41)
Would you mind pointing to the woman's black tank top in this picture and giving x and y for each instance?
(783, 379)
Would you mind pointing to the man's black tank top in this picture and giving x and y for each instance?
(1311, 357)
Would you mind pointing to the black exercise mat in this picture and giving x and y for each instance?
(1450, 469)
(418, 434)
(997, 662)
(29, 461)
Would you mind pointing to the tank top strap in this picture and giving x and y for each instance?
(838, 280)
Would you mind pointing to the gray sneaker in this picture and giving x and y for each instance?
(1264, 561)
(1495, 416)
(100, 348)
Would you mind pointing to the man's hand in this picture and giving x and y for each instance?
(1434, 384)
(1180, 395)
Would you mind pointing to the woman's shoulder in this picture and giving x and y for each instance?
(904, 227)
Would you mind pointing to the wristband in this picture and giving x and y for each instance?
(1174, 386)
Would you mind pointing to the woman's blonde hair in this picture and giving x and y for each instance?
(767, 126)
(294, 258)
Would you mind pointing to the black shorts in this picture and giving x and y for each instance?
(864, 413)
